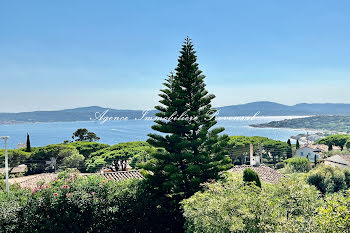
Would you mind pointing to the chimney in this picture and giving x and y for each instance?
(251, 155)
(254, 160)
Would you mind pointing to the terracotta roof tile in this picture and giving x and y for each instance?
(123, 175)
(33, 180)
(19, 169)
(266, 173)
(345, 157)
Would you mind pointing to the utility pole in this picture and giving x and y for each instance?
(6, 163)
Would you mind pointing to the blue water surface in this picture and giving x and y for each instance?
(112, 132)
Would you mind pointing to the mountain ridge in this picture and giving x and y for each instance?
(265, 108)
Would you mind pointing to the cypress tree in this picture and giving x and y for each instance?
(289, 150)
(297, 145)
(28, 149)
(193, 153)
(330, 147)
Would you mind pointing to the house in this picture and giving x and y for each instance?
(32, 181)
(342, 161)
(15, 170)
(309, 152)
(265, 173)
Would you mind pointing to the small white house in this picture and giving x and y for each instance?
(309, 153)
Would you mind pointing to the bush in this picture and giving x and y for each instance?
(334, 214)
(75, 203)
(297, 164)
(279, 165)
(329, 179)
(231, 206)
(250, 176)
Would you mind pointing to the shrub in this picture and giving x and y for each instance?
(250, 176)
(279, 165)
(231, 206)
(329, 179)
(75, 203)
(334, 214)
(297, 164)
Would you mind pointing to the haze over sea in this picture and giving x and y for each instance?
(113, 132)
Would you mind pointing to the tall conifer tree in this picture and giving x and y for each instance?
(289, 150)
(193, 152)
(28, 149)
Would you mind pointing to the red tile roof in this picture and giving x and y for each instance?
(266, 173)
(33, 180)
(123, 175)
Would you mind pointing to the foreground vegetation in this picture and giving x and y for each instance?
(186, 187)
(290, 206)
(236, 203)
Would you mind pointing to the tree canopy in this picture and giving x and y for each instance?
(116, 157)
(84, 135)
(334, 140)
(193, 152)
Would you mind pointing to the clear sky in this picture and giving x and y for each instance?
(71, 53)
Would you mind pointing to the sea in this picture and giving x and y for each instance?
(113, 132)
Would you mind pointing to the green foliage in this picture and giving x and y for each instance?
(239, 147)
(39, 156)
(334, 214)
(84, 135)
(116, 157)
(74, 160)
(297, 145)
(329, 179)
(280, 165)
(327, 154)
(347, 144)
(330, 123)
(87, 148)
(78, 204)
(231, 206)
(276, 149)
(28, 148)
(193, 152)
(15, 157)
(297, 164)
(289, 150)
(334, 140)
(250, 176)
(10, 208)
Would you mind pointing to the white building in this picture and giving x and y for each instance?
(309, 153)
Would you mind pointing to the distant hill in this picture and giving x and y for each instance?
(264, 107)
(66, 115)
(328, 123)
(275, 109)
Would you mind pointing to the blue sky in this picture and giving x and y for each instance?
(63, 54)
